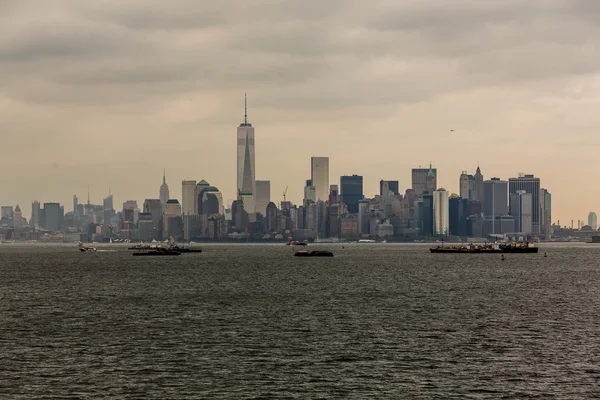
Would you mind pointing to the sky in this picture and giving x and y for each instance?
(110, 92)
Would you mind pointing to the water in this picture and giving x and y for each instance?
(250, 321)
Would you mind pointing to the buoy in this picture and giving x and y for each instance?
(545, 255)
(502, 257)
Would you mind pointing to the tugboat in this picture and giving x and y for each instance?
(314, 253)
(487, 248)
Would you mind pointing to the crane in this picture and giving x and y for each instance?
(285, 193)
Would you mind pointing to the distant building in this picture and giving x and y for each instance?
(164, 191)
(521, 206)
(593, 220)
(155, 209)
(352, 192)
(457, 212)
(6, 212)
(53, 214)
(424, 180)
(263, 196)
(334, 194)
(495, 194)
(319, 176)
(530, 184)
(188, 198)
(385, 186)
(34, 221)
(172, 221)
(426, 215)
(310, 193)
(441, 216)
(246, 174)
(545, 214)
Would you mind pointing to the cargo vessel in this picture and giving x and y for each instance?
(487, 248)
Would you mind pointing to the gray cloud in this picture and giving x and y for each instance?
(320, 72)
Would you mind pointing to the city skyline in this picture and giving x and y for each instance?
(113, 98)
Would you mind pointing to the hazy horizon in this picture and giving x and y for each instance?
(92, 94)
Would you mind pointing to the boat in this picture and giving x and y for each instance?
(84, 248)
(487, 248)
(183, 249)
(314, 253)
(157, 251)
(366, 241)
(295, 243)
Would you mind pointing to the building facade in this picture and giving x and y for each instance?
(352, 192)
(530, 184)
(319, 176)
(263, 196)
(441, 215)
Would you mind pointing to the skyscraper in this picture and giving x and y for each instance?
(263, 196)
(319, 175)
(391, 186)
(545, 214)
(521, 206)
(188, 198)
(164, 192)
(441, 220)
(352, 191)
(34, 222)
(246, 174)
(495, 193)
(424, 180)
(530, 184)
(477, 187)
(53, 214)
(593, 220)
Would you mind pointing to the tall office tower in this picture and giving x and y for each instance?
(164, 191)
(352, 191)
(6, 212)
(246, 174)
(247, 201)
(319, 175)
(424, 179)
(172, 221)
(545, 214)
(385, 186)
(521, 207)
(34, 222)
(188, 198)
(530, 184)
(155, 209)
(108, 202)
(54, 214)
(476, 192)
(441, 215)
(457, 216)
(75, 203)
(464, 185)
(310, 193)
(593, 220)
(426, 214)
(334, 194)
(495, 194)
(263, 196)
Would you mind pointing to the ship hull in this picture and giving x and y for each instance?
(526, 250)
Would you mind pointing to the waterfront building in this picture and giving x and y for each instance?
(188, 197)
(246, 174)
(263, 196)
(530, 184)
(352, 192)
(521, 208)
(319, 176)
(441, 217)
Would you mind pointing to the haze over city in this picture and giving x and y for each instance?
(95, 94)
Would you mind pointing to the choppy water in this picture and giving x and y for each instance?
(376, 321)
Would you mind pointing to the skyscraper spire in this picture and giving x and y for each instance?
(164, 177)
(88, 194)
(245, 109)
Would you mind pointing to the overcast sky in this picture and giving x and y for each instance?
(93, 92)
